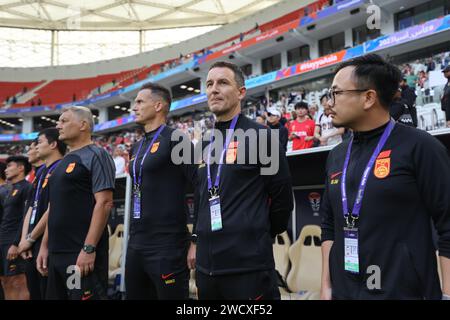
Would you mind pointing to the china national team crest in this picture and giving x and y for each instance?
(382, 168)
(155, 147)
(70, 167)
(232, 152)
(15, 192)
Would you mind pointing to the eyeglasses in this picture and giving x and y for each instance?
(332, 94)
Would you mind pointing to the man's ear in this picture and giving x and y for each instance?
(84, 126)
(242, 92)
(370, 98)
(159, 107)
(53, 145)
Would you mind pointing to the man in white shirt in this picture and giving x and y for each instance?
(119, 160)
(325, 132)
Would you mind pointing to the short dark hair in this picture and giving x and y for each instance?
(21, 160)
(52, 135)
(323, 96)
(238, 74)
(2, 171)
(373, 72)
(301, 104)
(160, 91)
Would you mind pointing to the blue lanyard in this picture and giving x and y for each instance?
(362, 186)
(138, 180)
(225, 147)
(41, 178)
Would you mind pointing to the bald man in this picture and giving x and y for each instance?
(81, 197)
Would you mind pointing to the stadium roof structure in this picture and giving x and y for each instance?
(124, 14)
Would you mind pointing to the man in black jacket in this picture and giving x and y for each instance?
(242, 202)
(273, 118)
(445, 101)
(383, 186)
(408, 97)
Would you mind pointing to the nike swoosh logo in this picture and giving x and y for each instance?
(83, 298)
(165, 276)
(334, 175)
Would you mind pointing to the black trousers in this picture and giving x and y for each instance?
(37, 284)
(63, 284)
(258, 285)
(156, 276)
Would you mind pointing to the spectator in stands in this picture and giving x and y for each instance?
(241, 37)
(14, 100)
(399, 110)
(39, 102)
(408, 96)
(313, 110)
(445, 101)
(273, 120)
(74, 97)
(6, 99)
(32, 102)
(325, 131)
(301, 130)
(119, 160)
(430, 65)
(261, 119)
(423, 77)
(24, 90)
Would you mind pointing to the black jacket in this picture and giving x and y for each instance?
(395, 219)
(254, 208)
(283, 132)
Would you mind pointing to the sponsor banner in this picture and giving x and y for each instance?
(178, 69)
(329, 11)
(114, 123)
(18, 137)
(188, 102)
(261, 80)
(409, 34)
(354, 52)
(250, 42)
(27, 109)
(320, 62)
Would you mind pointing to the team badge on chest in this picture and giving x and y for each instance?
(70, 167)
(155, 147)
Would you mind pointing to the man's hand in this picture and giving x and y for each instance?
(191, 256)
(24, 245)
(13, 253)
(41, 261)
(325, 292)
(86, 262)
(27, 254)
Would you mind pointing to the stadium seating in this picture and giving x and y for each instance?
(305, 255)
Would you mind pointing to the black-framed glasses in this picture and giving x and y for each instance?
(332, 94)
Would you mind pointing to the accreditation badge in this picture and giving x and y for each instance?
(351, 258)
(216, 214)
(137, 203)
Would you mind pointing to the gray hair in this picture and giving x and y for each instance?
(82, 113)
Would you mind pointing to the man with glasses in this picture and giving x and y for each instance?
(383, 187)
